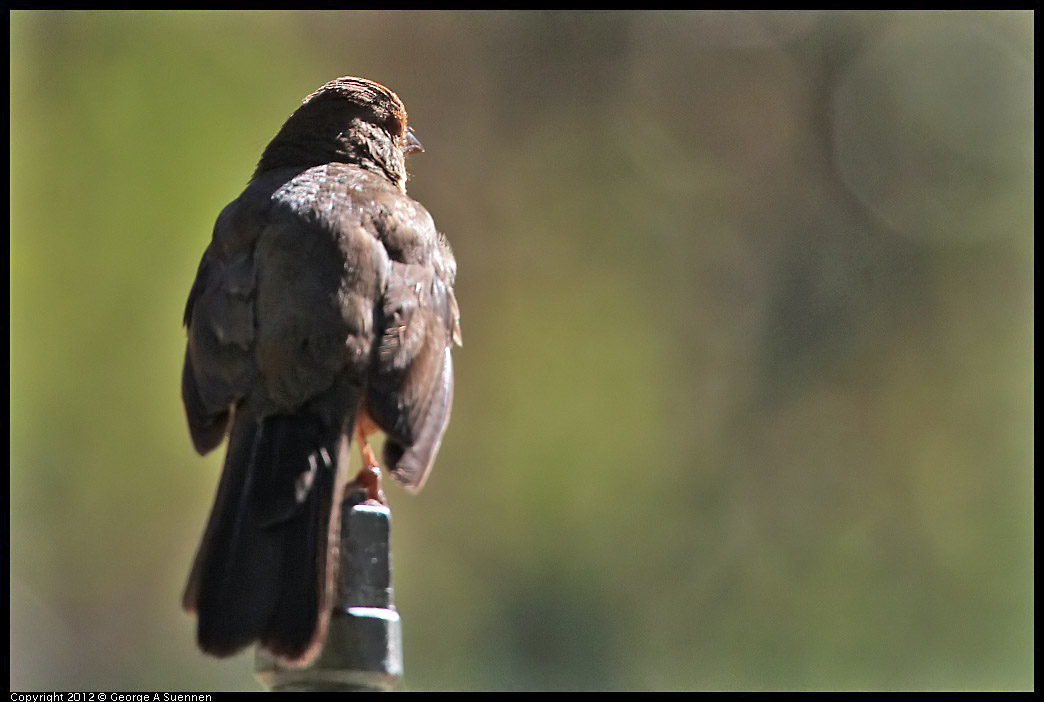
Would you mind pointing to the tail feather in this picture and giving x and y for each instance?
(298, 625)
(263, 570)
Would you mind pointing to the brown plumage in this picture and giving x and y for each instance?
(323, 307)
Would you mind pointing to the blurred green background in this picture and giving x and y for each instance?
(747, 391)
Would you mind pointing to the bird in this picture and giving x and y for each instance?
(322, 312)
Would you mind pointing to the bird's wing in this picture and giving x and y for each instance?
(219, 365)
(411, 381)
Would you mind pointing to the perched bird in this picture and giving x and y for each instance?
(322, 311)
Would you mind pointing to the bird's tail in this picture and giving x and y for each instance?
(266, 566)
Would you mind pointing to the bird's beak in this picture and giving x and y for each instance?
(413, 145)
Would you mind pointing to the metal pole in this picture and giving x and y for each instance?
(363, 649)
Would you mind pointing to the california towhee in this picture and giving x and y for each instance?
(322, 311)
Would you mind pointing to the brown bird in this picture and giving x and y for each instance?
(322, 311)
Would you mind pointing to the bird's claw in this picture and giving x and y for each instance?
(368, 481)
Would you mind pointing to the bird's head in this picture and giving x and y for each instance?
(351, 120)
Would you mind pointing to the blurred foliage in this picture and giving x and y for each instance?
(746, 398)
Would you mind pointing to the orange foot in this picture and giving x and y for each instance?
(369, 478)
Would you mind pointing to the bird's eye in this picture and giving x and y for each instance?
(395, 126)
